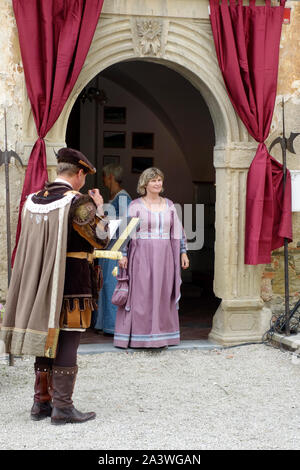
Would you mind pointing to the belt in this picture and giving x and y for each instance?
(108, 254)
(81, 255)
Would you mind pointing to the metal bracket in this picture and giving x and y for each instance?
(5, 158)
(286, 144)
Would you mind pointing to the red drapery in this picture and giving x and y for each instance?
(247, 45)
(55, 36)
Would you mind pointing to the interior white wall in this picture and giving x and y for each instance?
(183, 150)
(167, 155)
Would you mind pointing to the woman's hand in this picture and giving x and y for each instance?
(123, 262)
(185, 263)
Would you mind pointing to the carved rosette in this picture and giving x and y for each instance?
(149, 36)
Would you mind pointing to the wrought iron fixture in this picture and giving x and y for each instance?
(289, 321)
(5, 158)
(93, 94)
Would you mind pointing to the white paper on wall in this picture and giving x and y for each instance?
(295, 177)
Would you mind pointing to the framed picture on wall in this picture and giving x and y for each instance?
(114, 114)
(143, 140)
(108, 159)
(139, 164)
(114, 139)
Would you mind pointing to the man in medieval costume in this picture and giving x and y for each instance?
(54, 284)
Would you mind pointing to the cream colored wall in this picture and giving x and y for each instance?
(167, 156)
(185, 108)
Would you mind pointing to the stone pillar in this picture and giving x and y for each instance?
(241, 316)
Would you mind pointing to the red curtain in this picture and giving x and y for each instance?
(55, 36)
(247, 45)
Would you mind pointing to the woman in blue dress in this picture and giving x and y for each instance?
(104, 318)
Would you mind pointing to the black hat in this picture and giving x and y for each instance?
(75, 157)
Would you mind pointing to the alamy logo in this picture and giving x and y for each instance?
(188, 224)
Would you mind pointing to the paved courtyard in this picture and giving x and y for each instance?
(240, 398)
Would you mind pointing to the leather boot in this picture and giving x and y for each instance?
(42, 407)
(63, 381)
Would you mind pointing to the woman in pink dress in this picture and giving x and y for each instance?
(153, 261)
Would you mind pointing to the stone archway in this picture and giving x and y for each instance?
(186, 46)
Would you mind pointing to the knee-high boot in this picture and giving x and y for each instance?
(63, 382)
(42, 407)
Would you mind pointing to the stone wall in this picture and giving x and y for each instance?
(289, 89)
(11, 98)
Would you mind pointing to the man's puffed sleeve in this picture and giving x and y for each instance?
(88, 222)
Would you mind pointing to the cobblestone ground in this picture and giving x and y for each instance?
(240, 398)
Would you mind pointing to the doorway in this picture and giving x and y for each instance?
(144, 113)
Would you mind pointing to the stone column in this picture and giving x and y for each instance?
(241, 316)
